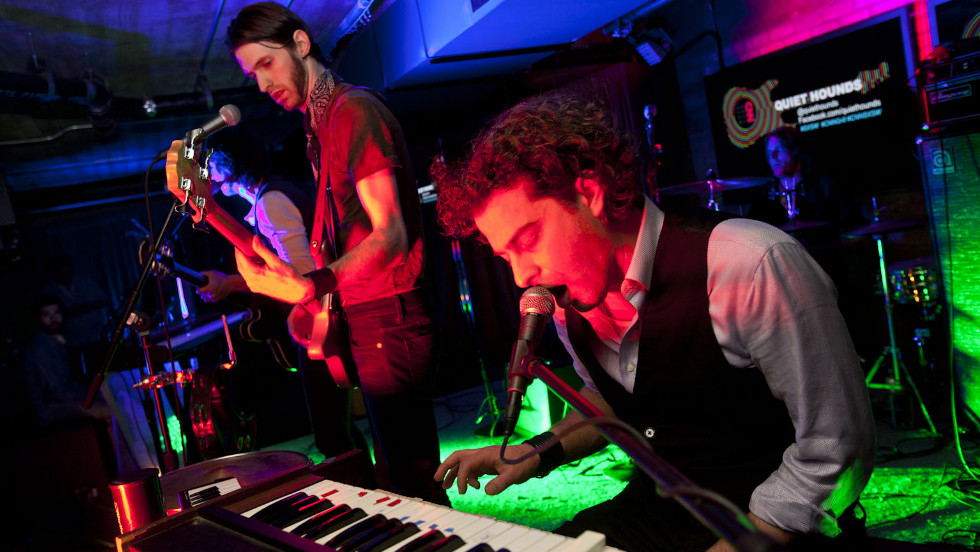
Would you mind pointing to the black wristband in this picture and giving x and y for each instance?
(324, 281)
(550, 458)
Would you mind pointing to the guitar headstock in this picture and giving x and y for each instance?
(189, 179)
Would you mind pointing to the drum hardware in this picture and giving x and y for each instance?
(164, 379)
(893, 381)
(140, 323)
(712, 186)
(921, 334)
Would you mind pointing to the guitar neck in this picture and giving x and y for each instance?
(190, 276)
(233, 231)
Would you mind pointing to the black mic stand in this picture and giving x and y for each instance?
(723, 522)
(124, 316)
(140, 323)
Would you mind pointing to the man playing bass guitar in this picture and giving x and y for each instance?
(282, 213)
(368, 208)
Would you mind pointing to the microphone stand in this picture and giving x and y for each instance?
(723, 522)
(124, 315)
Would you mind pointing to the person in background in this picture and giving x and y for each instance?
(363, 171)
(717, 338)
(56, 395)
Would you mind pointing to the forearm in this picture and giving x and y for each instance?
(584, 440)
(378, 251)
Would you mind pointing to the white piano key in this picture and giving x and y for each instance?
(588, 541)
(516, 538)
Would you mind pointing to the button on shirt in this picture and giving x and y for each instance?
(773, 309)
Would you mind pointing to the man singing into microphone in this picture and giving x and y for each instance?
(361, 163)
(718, 339)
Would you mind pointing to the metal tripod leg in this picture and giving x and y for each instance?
(893, 383)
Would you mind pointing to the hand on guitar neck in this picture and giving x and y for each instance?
(220, 285)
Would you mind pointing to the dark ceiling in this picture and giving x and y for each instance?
(75, 75)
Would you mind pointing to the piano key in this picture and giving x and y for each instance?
(356, 529)
(266, 512)
(391, 538)
(482, 547)
(371, 533)
(419, 544)
(306, 526)
(303, 513)
(518, 537)
(588, 541)
(276, 519)
(325, 530)
(446, 544)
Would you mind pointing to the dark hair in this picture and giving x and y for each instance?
(550, 140)
(795, 143)
(269, 22)
(246, 153)
(44, 300)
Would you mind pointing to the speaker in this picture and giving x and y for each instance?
(951, 177)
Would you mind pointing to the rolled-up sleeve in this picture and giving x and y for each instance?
(775, 309)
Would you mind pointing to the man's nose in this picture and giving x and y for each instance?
(524, 273)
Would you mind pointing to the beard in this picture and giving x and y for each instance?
(299, 76)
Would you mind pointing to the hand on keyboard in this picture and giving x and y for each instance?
(466, 466)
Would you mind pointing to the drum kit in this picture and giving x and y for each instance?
(911, 282)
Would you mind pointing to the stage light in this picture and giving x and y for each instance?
(149, 107)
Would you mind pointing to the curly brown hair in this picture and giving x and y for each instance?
(550, 140)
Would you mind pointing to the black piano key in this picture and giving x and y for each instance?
(336, 523)
(482, 547)
(446, 544)
(420, 543)
(317, 519)
(281, 518)
(366, 524)
(389, 538)
(304, 511)
(277, 506)
(369, 534)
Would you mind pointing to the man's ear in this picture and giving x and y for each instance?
(591, 195)
(302, 41)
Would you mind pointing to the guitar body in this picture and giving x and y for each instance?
(322, 329)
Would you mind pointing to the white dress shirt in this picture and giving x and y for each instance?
(772, 309)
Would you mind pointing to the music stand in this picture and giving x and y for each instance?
(893, 381)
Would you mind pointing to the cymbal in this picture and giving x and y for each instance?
(798, 225)
(720, 185)
(882, 227)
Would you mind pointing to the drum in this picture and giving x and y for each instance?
(249, 468)
(915, 282)
(218, 427)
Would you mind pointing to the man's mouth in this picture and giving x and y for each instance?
(561, 295)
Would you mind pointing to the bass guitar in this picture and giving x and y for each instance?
(266, 318)
(318, 325)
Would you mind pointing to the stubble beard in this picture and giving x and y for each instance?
(300, 77)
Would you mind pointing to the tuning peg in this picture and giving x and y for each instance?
(184, 209)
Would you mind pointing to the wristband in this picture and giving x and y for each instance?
(550, 458)
(324, 281)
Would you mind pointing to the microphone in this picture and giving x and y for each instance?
(228, 115)
(537, 305)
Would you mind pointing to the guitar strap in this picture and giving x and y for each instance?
(323, 195)
(324, 198)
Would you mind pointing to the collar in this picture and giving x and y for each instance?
(640, 270)
(318, 101)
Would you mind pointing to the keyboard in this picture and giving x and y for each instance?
(310, 509)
